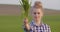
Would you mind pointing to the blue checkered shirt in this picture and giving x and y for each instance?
(42, 28)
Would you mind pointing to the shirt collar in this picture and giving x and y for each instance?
(33, 23)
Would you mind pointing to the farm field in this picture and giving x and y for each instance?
(14, 23)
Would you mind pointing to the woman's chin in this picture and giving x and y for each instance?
(36, 19)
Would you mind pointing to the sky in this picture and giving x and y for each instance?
(49, 4)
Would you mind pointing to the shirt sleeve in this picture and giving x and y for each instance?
(48, 29)
(25, 30)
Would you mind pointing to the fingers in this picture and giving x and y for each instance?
(26, 24)
(25, 20)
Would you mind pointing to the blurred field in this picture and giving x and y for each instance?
(14, 23)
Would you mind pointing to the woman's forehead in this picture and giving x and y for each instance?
(36, 10)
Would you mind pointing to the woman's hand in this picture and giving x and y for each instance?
(26, 24)
(26, 21)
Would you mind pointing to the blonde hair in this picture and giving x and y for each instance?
(37, 4)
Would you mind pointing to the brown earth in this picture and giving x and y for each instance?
(51, 12)
(6, 9)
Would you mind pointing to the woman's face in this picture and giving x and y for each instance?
(37, 14)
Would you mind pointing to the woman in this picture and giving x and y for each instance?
(36, 24)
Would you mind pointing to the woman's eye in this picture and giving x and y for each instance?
(34, 12)
(38, 13)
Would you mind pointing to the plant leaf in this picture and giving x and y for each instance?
(26, 6)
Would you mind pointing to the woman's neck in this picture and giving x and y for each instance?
(38, 22)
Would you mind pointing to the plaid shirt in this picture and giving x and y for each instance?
(42, 28)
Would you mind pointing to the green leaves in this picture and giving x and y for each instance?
(26, 6)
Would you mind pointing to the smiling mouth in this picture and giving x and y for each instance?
(36, 17)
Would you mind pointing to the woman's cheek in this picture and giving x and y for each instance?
(38, 17)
